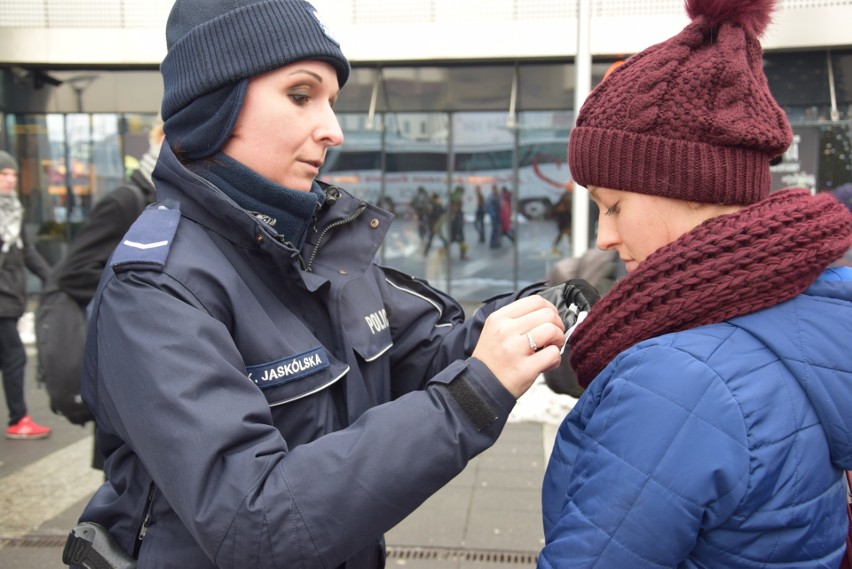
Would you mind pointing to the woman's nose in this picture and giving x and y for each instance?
(607, 235)
(329, 130)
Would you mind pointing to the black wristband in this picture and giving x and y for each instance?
(474, 406)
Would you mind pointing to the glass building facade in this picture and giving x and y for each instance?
(451, 132)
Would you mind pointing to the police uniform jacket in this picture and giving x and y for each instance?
(262, 406)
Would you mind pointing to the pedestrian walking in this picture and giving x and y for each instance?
(456, 221)
(436, 220)
(562, 216)
(479, 216)
(16, 256)
(715, 425)
(506, 214)
(421, 204)
(493, 206)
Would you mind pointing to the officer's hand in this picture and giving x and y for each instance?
(573, 300)
(520, 341)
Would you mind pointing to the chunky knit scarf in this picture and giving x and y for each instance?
(728, 266)
(11, 215)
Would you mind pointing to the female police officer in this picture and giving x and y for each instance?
(266, 395)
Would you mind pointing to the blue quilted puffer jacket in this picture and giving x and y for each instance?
(718, 447)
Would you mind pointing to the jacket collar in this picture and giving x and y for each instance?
(204, 203)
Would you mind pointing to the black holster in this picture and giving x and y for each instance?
(90, 546)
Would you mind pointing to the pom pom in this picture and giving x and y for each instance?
(753, 15)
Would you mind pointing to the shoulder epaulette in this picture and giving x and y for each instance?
(149, 239)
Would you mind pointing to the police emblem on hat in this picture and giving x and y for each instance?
(325, 28)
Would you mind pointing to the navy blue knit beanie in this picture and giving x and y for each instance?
(215, 46)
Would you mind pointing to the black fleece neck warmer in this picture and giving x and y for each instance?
(289, 212)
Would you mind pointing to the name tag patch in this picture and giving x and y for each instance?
(289, 369)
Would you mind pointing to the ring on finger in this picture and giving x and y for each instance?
(533, 345)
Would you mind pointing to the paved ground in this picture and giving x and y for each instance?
(488, 517)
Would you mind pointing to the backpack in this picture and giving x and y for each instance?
(60, 327)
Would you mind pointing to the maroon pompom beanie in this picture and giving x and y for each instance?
(691, 118)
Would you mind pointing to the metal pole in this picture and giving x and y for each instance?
(511, 121)
(374, 97)
(516, 177)
(835, 114)
(69, 183)
(582, 86)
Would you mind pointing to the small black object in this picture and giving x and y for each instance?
(90, 546)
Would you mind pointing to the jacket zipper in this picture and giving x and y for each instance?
(146, 519)
(263, 225)
(332, 193)
(361, 207)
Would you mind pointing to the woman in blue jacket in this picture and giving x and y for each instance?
(266, 395)
(718, 415)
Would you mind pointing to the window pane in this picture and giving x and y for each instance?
(426, 89)
(546, 86)
(799, 82)
(842, 67)
(356, 166)
(550, 86)
(107, 160)
(479, 88)
(542, 178)
(37, 141)
(135, 140)
(356, 95)
(78, 137)
(403, 159)
(798, 165)
(418, 89)
(416, 187)
(835, 156)
(483, 181)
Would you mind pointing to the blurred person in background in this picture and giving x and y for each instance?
(493, 206)
(479, 215)
(562, 213)
(16, 256)
(506, 228)
(455, 221)
(60, 322)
